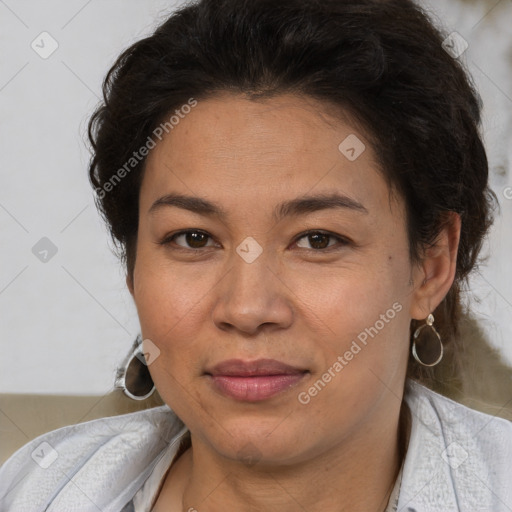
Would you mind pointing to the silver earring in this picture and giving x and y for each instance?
(133, 377)
(427, 349)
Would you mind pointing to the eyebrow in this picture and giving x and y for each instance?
(295, 207)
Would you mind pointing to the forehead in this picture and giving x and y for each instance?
(235, 149)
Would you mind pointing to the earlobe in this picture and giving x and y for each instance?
(434, 276)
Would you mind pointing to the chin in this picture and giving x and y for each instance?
(261, 442)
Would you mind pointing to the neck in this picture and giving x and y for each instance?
(354, 476)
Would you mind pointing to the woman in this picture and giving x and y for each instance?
(298, 190)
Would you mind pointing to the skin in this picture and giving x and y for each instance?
(298, 302)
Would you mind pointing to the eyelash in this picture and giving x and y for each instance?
(170, 238)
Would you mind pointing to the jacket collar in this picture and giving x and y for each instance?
(450, 460)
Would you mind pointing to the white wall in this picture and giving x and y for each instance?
(67, 323)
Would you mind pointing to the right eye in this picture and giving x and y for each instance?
(193, 237)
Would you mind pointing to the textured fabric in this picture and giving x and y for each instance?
(395, 493)
(457, 460)
(94, 466)
(146, 496)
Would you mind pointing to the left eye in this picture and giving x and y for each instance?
(319, 240)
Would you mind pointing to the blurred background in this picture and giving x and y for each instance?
(66, 318)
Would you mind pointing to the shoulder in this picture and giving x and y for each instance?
(458, 458)
(456, 422)
(98, 464)
(425, 400)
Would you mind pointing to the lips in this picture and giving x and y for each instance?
(239, 368)
(253, 381)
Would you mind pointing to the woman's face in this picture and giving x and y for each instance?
(247, 283)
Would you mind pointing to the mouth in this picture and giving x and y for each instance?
(254, 381)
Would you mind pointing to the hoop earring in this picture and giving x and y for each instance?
(134, 377)
(423, 345)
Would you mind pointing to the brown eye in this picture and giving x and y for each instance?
(192, 239)
(319, 240)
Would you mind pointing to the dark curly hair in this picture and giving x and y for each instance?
(382, 61)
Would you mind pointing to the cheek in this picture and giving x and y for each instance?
(167, 296)
(364, 354)
(349, 299)
(170, 305)
(366, 311)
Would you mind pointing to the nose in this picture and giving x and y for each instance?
(252, 297)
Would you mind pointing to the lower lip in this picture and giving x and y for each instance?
(254, 389)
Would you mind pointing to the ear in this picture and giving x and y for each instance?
(434, 276)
